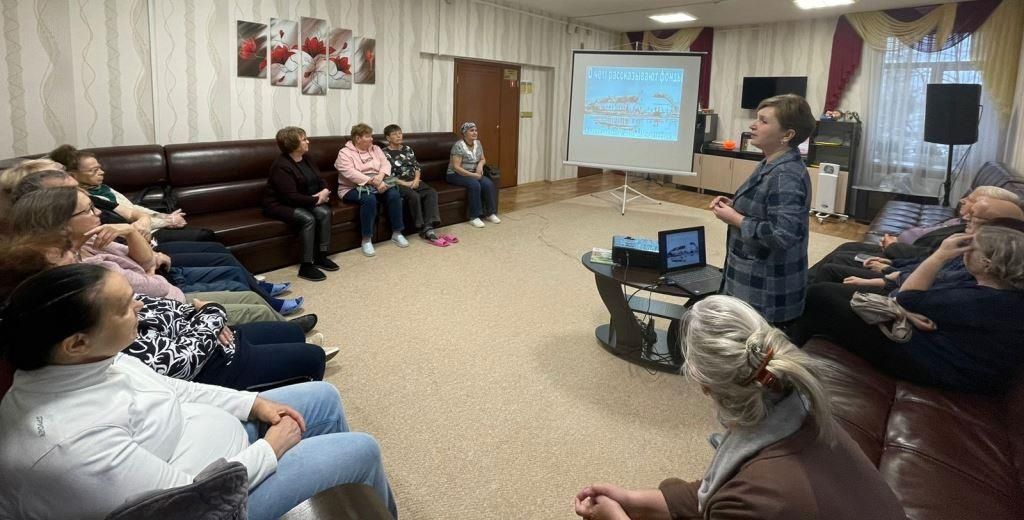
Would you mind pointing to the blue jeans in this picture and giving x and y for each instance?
(209, 254)
(199, 279)
(328, 454)
(477, 190)
(368, 209)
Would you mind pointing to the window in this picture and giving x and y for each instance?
(897, 155)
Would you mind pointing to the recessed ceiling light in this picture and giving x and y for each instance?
(672, 18)
(818, 4)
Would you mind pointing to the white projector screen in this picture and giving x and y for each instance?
(633, 111)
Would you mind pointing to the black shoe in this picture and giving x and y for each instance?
(305, 322)
(308, 272)
(325, 263)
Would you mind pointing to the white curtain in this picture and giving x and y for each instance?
(894, 154)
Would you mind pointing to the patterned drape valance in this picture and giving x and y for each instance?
(997, 27)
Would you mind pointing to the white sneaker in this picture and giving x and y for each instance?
(318, 340)
(368, 249)
(477, 223)
(260, 278)
(493, 219)
(399, 240)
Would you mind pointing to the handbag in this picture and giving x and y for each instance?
(897, 323)
(493, 173)
(157, 198)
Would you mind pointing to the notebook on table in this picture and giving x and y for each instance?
(683, 261)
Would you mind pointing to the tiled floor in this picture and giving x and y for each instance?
(540, 193)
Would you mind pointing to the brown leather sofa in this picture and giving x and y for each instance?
(947, 455)
(897, 216)
(219, 186)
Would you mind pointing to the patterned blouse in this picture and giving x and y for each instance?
(471, 155)
(175, 339)
(403, 162)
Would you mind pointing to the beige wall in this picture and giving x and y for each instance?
(112, 72)
(800, 48)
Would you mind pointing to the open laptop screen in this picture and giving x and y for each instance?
(682, 248)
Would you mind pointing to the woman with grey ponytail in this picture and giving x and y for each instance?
(781, 455)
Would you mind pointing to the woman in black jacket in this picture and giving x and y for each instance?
(298, 196)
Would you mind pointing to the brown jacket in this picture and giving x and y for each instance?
(798, 477)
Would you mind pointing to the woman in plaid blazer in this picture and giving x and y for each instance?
(766, 248)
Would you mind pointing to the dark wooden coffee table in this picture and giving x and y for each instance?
(625, 335)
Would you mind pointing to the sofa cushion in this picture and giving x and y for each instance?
(239, 226)
(323, 151)
(132, 169)
(861, 396)
(947, 456)
(995, 173)
(203, 164)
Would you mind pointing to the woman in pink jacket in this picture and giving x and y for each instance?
(365, 177)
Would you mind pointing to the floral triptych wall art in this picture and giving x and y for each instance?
(307, 54)
(365, 55)
(314, 56)
(339, 67)
(252, 50)
(284, 50)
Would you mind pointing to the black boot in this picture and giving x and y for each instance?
(308, 272)
(325, 263)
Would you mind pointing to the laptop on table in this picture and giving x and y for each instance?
(683, 261)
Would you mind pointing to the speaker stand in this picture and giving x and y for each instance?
(949, 174)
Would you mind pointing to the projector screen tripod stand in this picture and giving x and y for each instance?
(626, 194)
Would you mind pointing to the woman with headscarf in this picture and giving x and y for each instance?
(466, 169)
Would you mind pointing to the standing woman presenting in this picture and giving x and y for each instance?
(766, 248)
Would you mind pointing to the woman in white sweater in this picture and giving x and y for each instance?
(87, 428)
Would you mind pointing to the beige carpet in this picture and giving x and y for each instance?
(476, 366)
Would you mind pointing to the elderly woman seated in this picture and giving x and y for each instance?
(967, 328)
(782, 455)
(911, 244)
(883, 274)
(365, 178)
(70, 210)
(106, 428)
(165, 227)
(192, 341)
(11, 177)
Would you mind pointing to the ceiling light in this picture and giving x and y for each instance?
(672, 18)
(818, 4)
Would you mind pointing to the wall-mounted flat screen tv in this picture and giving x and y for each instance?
(757, 89)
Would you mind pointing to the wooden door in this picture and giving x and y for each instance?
(488, 94)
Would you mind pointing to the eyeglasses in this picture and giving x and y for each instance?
(90, 210)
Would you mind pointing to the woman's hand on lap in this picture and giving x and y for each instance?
(283, 436)
(271, 412)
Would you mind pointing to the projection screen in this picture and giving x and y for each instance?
(633, 111)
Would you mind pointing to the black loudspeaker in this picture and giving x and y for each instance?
(951, 113)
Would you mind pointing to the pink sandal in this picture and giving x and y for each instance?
(451, 239)
(440, 242)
